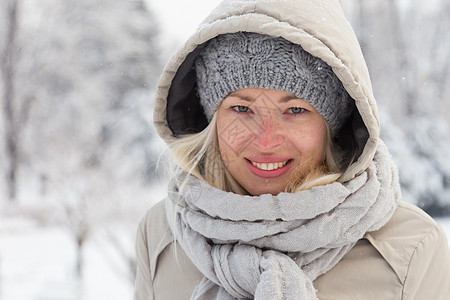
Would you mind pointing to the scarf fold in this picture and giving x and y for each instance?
(274, 247)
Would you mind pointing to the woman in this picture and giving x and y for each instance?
(283, 188)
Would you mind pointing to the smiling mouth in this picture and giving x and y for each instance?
(269, 166)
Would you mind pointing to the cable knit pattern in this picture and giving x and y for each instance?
(240, 60)
(274, 247)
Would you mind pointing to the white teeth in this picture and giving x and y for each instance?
(269, 166)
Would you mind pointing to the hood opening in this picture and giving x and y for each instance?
(352, 138)
(184, 113)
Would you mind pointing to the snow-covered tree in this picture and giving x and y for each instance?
(14, 113)
(406, 48)
(87, 153)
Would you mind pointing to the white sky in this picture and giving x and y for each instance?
(180, 18)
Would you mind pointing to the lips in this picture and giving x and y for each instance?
(270, 168)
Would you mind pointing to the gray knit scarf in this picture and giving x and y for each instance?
(274, 247)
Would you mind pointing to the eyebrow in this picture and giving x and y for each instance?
(249, 99)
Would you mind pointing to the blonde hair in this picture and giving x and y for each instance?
(198, 154)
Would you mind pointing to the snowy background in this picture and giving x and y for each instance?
(78, 154)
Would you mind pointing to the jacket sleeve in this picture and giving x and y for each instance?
(143, 289)
(428, 274)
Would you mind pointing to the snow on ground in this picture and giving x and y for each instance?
(39, 263)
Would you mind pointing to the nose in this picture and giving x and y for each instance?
(269, 135)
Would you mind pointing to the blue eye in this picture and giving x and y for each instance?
(296, 110)
(240, 108)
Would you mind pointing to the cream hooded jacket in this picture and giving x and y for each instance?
(408, 258)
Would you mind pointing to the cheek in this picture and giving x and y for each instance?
(227, 139)
(310, 140)
(226, 152)
(233, 134)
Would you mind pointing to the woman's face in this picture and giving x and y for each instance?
(264, 135)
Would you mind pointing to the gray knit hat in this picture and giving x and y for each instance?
(240, 60)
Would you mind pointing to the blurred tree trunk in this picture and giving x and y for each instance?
(9, 56)
(440, 53)
(80, 239)
(125, 255)
(405, 63)
(361, 25)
